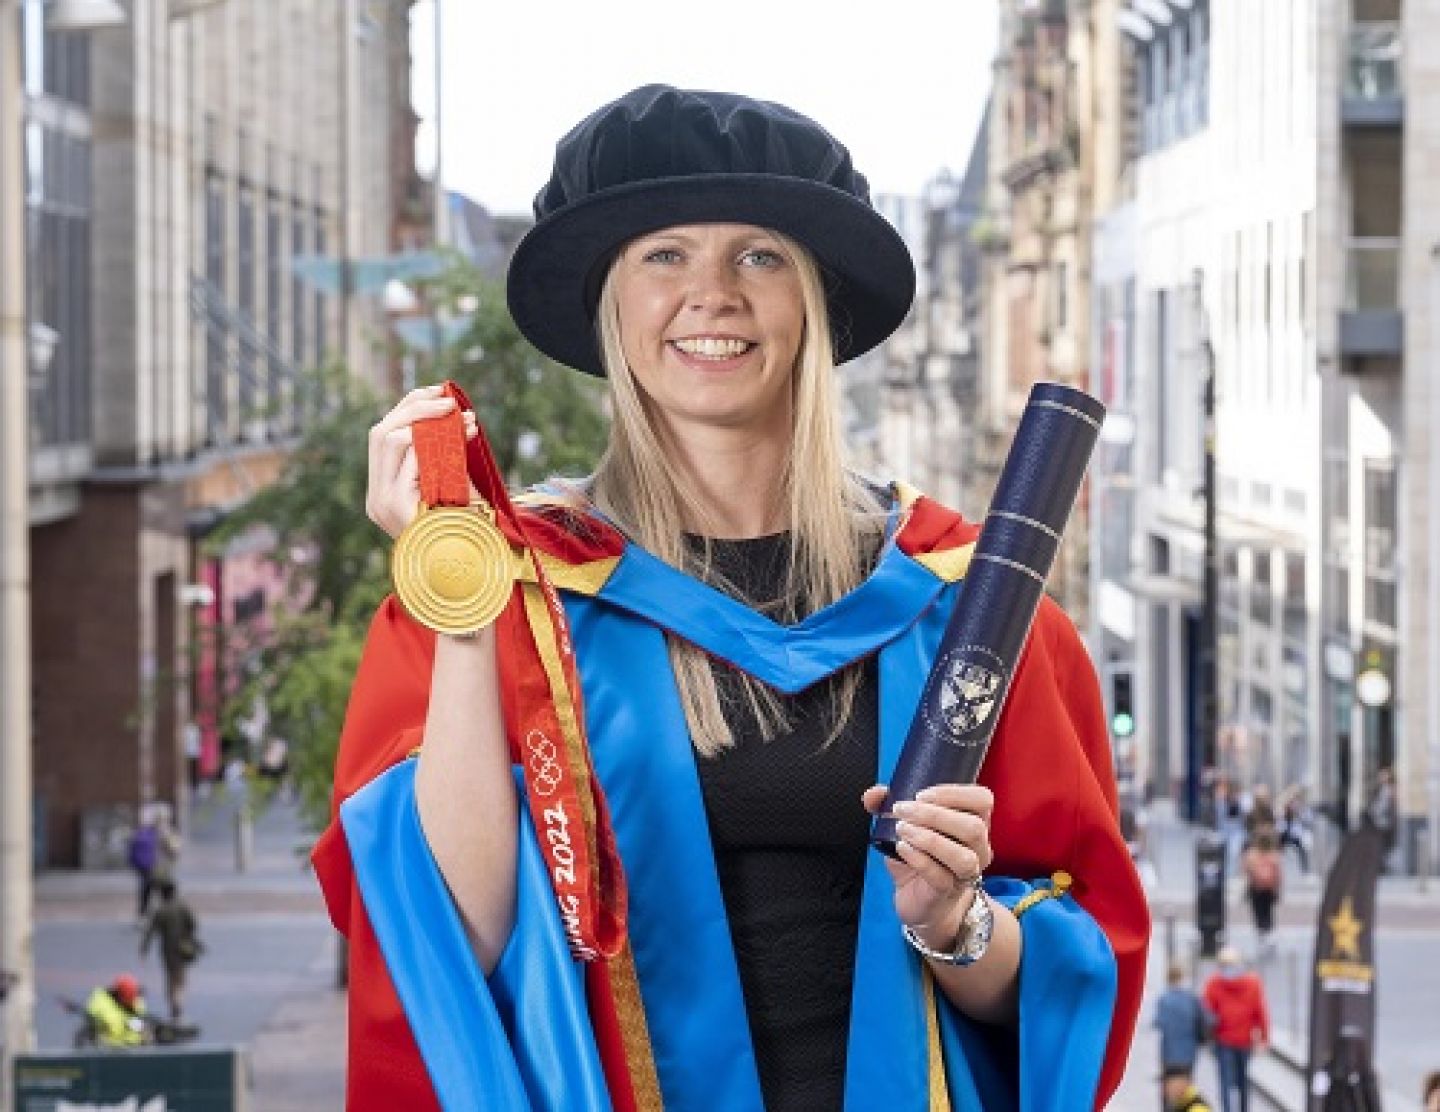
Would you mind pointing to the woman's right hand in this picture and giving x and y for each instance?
(392, 493)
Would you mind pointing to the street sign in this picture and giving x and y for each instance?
(196, 1079)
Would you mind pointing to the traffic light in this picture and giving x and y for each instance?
(1122, 703)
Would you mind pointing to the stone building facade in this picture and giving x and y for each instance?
(225, 140)
(1273, 209)
(1035, 232)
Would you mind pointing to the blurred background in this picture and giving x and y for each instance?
(229, 236)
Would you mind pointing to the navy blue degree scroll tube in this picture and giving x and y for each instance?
(970, 678)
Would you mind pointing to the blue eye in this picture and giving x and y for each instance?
(762, 256)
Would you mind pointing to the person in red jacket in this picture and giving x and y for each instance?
(1242, 1026)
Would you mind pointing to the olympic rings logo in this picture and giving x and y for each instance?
(546, 770)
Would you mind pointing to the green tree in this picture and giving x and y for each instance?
(540, 418)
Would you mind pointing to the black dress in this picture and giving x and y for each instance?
(789, 835)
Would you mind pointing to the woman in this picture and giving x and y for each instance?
(1263, 870)
(752, 626)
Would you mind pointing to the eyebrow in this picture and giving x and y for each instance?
(760, 235)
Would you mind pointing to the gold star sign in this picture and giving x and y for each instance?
(1345, 929)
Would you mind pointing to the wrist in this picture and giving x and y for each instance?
(468, 641)
(969, 942)
(944, 932)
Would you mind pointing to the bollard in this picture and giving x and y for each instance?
(244, 838)
(1210, 891)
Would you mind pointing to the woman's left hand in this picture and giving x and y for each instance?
(944, 845)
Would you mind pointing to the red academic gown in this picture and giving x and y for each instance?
(1062, 815)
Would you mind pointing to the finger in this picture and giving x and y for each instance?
(410, 410)
(389, 484)
(900, 873)
(965, 827)
(472, 425)
(960, 862)
(407, 479)
(960, 797)
(932, 871)
(392, 452)
(873, 798)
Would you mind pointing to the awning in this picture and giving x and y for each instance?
(366, 275)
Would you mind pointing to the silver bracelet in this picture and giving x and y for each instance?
(976, 928)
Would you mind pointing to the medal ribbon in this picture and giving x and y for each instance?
(540, 696)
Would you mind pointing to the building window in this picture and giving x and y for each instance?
(1177, 89)
(245, 294)
(274, 300)
(1174, 85)
(319, 307)
(1229, 601)
(1155, 91)
(1337, 589)
(216, 335)
(1294, 616)
(1381, 509)
(57, 236)
(1162, 383)
(57, 64)
(1260, 587)
(1200, 61)
(299, 352)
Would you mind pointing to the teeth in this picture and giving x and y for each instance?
(710, 347)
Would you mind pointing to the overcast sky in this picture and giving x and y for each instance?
(901, 85)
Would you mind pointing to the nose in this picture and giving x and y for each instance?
(715, 286)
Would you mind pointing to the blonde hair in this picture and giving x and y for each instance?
(834, 518)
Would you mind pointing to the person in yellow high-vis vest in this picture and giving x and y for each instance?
(117, 1012)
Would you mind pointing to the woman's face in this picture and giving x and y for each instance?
(711, 319)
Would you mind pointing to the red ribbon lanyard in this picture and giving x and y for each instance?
(440, 452)
(540, 696)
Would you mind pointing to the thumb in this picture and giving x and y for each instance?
(873, 798)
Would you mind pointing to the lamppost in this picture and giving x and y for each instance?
(1209, 848)
(16, 896)
(1209, 694)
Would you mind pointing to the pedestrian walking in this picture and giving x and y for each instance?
(1296, 824)
(174, 926)
(1184, 1026)
(141, 853)
(745, 612)
(1382, 811)
(1260, 814)
(1262, 866)
(1236, 999)
(167, 845)
(1180, 1092)
(1230, 817)
(1182, 1021)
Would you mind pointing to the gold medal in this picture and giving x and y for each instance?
(453, 569)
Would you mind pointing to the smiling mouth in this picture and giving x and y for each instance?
(713, 347)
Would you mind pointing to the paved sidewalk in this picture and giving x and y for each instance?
(1408, 980)
(267, 981)
(298, 1058)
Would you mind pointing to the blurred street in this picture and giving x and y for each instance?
(1408, 978)
(266, 981)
